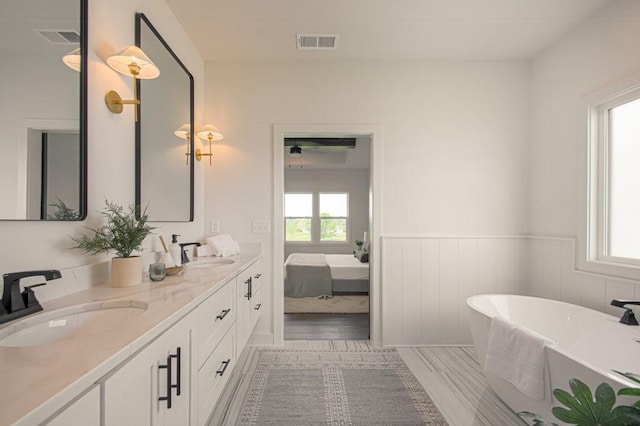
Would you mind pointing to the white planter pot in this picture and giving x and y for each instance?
(126, 271)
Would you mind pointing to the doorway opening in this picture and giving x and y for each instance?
(324, 257)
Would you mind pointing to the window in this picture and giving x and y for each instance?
(333, 217)
(316, 217)
(615, 161)
(298, 212)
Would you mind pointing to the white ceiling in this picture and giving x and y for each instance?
(265, 30)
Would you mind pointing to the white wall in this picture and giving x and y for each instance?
(601, 52)
(39, 245)
(454, 144)
(355, 182)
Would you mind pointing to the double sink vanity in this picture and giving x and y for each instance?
(154, 354)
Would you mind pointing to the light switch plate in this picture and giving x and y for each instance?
(261, 227)
(215, 225)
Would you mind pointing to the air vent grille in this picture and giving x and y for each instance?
(60, 36)
(317, 41)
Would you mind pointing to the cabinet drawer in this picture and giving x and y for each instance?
(214, 374)
(256, 307)
(215, 316)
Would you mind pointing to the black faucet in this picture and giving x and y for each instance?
(628, 317)
(15, 304)
(184, 257)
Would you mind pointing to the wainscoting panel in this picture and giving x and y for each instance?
(551, 274)
(426, 282)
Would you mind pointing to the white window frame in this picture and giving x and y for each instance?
(313, 209)
(598, 179)
(315, 219)
(347, 221)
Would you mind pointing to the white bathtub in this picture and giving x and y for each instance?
(589, 345)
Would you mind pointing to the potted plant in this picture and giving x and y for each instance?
(123, 234)
(359, 243)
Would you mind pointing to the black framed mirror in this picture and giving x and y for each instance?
(43, 110)
(164, 145)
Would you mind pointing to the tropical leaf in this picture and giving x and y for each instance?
(583, 410)
(631, 376)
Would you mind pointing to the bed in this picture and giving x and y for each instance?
(324, 275)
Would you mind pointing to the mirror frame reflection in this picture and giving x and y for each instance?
(141, 19)
(68, 214)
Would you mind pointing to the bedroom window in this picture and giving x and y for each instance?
(316, 217)
(298, 213)
(615, 180)
(333, 216)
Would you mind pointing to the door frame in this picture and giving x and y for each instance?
(374, 132)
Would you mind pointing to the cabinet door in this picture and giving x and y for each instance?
(178, 353)
(84, 412)
(256, 308)
(244, 309)
(131, 394)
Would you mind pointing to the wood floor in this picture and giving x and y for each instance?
(326, 326)
(451, 376)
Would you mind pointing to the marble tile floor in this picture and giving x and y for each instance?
(450, 374)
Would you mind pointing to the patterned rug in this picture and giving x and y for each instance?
(307, 387)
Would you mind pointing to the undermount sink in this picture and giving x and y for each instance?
(63, 324)
(209, 263)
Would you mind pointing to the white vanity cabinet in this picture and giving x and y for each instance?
(85, 411)
(249, 286)
(154, 387)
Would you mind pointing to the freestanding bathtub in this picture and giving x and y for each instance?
(589, 345)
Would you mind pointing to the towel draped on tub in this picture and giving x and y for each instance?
(517, 355)
(307, 275)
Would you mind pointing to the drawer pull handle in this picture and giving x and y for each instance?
(257, 308)
(225, 364)
(178, 357)
(249, 289)
(167, 366)
(223, 314)
(257, 276)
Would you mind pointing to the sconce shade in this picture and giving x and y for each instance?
(73, 60)
(133, 61)
(183, 132)
(209, 132)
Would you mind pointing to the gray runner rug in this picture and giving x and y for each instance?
(307, 387)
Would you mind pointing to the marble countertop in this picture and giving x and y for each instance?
(38, 380)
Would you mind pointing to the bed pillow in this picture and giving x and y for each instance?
(362, 256)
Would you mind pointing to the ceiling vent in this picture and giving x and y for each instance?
(60, 36)
(317, 41)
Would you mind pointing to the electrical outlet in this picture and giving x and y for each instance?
(215, 225)
(261, 227)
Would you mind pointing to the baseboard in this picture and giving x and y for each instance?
(261, 339)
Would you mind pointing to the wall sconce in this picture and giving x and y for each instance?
(129, 61)
(210, 133)
(73, 60)
(184, 132)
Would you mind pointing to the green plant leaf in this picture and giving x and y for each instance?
(123, 233)
(629, 391)
(605, 400)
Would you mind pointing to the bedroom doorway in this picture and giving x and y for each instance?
(325, 179)
(326, 212)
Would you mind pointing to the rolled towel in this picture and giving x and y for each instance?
(223, 245)
(203, 251)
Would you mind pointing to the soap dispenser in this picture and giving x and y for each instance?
(176, 250)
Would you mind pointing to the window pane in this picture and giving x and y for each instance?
(298, 229)
(335, 205)
(298, 205)
(333, 229)
(624, 180)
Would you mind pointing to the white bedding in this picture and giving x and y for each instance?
(347, 267)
